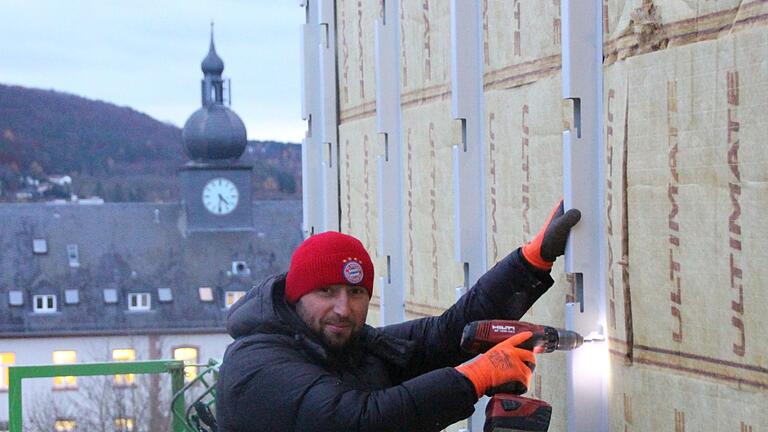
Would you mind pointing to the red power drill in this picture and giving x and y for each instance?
(507, 411)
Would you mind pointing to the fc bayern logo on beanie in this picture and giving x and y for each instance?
(353, 271)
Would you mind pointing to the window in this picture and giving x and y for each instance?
(124, 424)
(206, 294)
(231, 297)
(189, 355)
(39, 246)
(71, 296)
(64, 425)
(164, 295)
(139, 302)
(64, 382)
(124, 354)
(110, 295)
(44, 303)
(73, 255)
(15, 298)
(6, 359)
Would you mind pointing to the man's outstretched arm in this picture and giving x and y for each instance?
(506, 291)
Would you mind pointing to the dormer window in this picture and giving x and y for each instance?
(45, 303)
(231, 297)
(139, 302)
(73, 255)
(206, 294)
(39, 246)
(164, 295)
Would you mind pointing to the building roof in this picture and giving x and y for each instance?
(125, 248)
(214, 132)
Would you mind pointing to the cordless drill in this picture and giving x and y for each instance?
(507, 411)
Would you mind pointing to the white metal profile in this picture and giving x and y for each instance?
(319, 149)
(467, 105)
(390, 164)
(583, 180)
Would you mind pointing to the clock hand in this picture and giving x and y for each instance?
(221, 198)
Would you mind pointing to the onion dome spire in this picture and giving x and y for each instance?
(214, 132)
(212, 63)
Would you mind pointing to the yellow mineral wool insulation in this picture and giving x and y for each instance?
(426, 51)
(355, 53)
(696, 189)
(643, 398)
(432, 272)
(636, 27)
(358, 148)
(518, 31)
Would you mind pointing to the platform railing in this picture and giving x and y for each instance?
(175, 368)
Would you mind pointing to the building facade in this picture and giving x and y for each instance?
(137, 281)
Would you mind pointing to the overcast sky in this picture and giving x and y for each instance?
(146, 54)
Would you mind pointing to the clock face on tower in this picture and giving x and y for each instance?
(220, 196)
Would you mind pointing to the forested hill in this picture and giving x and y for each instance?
(115, 153)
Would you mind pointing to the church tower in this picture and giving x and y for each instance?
(216, 187)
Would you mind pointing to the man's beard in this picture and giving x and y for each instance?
(337, 345)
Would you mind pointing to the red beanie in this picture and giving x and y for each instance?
(329, 258)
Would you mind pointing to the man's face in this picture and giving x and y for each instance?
(336, 312)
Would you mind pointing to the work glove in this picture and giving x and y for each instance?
(549, 243)
(502, 367)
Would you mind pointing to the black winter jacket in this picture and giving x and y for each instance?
(278, 376)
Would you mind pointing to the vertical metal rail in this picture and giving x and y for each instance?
(320, 148)
(467, 106)
(390, 164)
(18, 373)
(583, 180)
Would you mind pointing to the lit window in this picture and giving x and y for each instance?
(73, 255)
(6, 359)
(64, 425)
(206, 294)
(139, 302)
(64, 357)
(39, 246)
(232, 297)
(45, 303)
(123, 424)
(124, 354)
(189, 355)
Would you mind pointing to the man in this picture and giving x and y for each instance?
(304, 360)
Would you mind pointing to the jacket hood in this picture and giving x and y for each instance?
(257, 308)
(264, 310)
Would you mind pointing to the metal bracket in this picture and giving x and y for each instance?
(390, 164)
(583, 184)
(468, 158)
(320, 171)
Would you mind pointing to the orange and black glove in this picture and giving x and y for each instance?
(549, 243)
(503, 366)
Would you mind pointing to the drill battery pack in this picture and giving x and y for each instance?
(513, 413)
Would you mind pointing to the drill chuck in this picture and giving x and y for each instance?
(568, 340)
